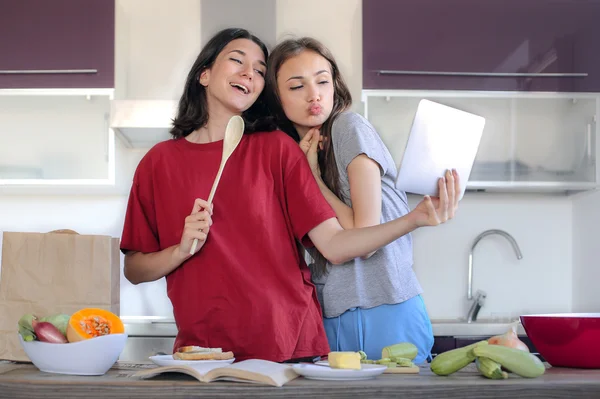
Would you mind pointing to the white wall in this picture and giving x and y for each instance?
(336, 23)
(586, 264)
(539, 282)
(156, 45)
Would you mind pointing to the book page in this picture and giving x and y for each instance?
(255, 370)
(198, 372)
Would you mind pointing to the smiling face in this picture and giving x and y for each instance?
(236, 78)
(305, 87)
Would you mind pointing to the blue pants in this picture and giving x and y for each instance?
(370, 330)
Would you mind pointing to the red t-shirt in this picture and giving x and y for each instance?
(248, 290)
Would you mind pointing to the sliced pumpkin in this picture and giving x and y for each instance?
(91, 323)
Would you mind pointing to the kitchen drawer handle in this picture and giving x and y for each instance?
(45, 71)
(486, 74)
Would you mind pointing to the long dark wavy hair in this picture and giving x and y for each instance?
(192, 112)
(342, 100)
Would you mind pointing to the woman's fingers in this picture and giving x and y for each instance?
(433, 215)
(200, 204)
(203, 225)
(306, 141)
(456, 189)
(315, 142)
(443, 205)
(451, 193)
(202, 215)
(198, 235)
(322, 140)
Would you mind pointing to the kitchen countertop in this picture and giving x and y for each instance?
(480, 327)
(150, 335)
(26, 381)
(165, 327)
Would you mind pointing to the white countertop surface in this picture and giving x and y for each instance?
(165, 327)
(477, 328)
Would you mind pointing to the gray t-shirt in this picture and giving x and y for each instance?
(386, 277)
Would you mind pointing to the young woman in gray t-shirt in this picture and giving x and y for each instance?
(368, 302)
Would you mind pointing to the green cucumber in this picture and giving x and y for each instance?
(363, 355)
(514, 360)
(402, 361)
(367, 361)
(490, 368)
(404, 349)
(451, 361)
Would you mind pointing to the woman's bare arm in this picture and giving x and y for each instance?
(339, 245)
(364, 177)
(141, 267)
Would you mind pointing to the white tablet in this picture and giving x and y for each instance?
(441, 138)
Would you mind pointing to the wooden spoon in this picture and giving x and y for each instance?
(233, 136)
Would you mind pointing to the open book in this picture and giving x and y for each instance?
(252, 371)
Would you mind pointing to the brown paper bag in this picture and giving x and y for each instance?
(49, 273)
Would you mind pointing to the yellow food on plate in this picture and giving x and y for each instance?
(344, 360)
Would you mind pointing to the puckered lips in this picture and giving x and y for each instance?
(315, 109)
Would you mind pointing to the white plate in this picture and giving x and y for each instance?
(322, 371)
(167, 360)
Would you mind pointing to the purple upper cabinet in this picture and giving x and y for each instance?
(57, 44)
(513, 45)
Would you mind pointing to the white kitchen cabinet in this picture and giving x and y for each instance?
(56, 138)
(532, 142)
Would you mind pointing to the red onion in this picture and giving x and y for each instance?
(47, 332)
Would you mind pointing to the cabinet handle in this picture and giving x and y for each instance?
(45, 71)
(487, 74)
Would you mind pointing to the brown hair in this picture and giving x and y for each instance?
(192, 111)
(342, 100)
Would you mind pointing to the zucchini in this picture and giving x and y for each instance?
(403, 362)
(490, 368)
(514, 360)
(363, 355)
(404, 349)
(451, 361)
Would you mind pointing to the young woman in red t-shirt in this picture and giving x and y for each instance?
(247, 288)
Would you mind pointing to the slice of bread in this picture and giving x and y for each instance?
(194, 348)
(202, 355)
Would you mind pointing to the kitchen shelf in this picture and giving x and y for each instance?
(533, 142)
(56, 138)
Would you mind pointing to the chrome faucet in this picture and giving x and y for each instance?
(477, 305)
(481, 295)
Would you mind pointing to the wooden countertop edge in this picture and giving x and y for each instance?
(555, 378)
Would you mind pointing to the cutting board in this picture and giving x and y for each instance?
(402, 370)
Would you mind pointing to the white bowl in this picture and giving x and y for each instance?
(93, 356)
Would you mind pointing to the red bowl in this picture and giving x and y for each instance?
(566, 339)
